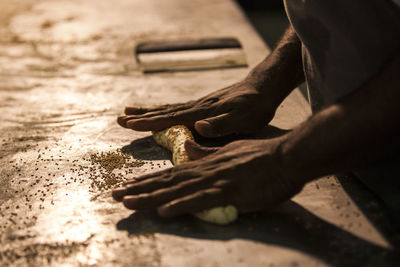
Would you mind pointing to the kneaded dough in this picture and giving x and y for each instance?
(173, 139)
(219, 215)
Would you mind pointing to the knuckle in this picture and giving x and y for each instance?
(142, 197)
(173, 115)
(223, 184)
(130, 189)
(168, 181)
(166, 106)
(202, 194)
(190, 104)
(183, 175)
(209, 101)
(224, 188)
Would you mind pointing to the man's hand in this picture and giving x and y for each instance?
(244, 107)
(239, 108)
(247, 174)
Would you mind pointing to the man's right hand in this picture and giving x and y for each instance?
(244, 107)
(239, 108)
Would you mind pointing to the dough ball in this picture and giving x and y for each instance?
(173, 139)
(219, 215)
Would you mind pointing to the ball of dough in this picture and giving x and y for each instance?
(219, 215)
(173, 139)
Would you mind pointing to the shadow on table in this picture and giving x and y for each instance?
(292, 227)
(147, 149)
(372, 206)
(268, 132)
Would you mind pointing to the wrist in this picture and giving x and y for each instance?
(276, 77)
(276, 170)
(291, 166)
(265, 77)
(267, 82)
(281, 71)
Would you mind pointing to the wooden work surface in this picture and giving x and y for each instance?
(67, 69)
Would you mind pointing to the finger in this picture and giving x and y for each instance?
(217, 126)
(176, 176)
(155, 113)
(121, 120)
(119, 193)
(135, 111)
(129, 189)
(130, 181)
(154, 184)
(156, 174)
(138, 187)
(139, 111)
(196, 151)
(193, 203)
(136, 179)
(157, 123)
(155, 199)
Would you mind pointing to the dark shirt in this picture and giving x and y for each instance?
(344, 44)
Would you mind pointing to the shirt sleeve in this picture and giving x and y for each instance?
(344, 43)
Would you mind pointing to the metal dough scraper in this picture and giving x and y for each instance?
(193, 54)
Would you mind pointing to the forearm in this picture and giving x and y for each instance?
(282, 70)
(360, 129)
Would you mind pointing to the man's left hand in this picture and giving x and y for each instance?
(247, 174)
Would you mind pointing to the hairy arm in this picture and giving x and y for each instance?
(284, 62)
(360, 129)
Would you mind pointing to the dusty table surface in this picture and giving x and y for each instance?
(67, 70)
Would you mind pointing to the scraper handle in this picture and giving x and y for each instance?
(181, 45)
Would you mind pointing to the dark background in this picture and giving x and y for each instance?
(270, 21)
(268, 17)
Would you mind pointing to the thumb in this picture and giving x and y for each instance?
(196, 151)
(220, 125)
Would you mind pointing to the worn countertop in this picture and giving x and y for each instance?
(67, 70)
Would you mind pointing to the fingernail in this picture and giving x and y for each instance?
(119, 193)
(163, 211)
(129, 201)
(204, 127)
(120, 120)
(129, 181)
(191, 143)
(131, 123)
